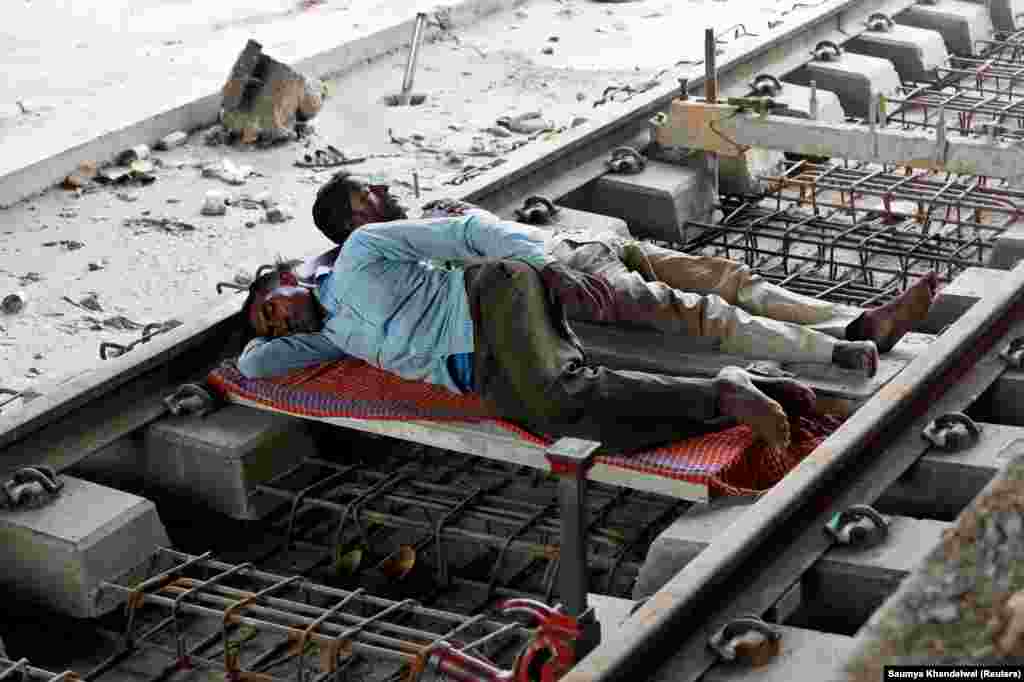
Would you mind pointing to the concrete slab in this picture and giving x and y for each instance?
(915, 52)
(798, 99)
(843, 588)
(960, 294)
(1003, 402)
(656, 202)
(960, 23)
(806, 655)
(59, 555)
(1008, 249)
(941, 484)
(611, 612)
(1007, 15)
(853, 77)
(219, 459)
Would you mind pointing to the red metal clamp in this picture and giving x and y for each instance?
(548, 656)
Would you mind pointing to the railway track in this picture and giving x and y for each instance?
(762, 565)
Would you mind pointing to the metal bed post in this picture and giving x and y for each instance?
(570, 459)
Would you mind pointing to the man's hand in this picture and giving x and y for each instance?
(584, 296)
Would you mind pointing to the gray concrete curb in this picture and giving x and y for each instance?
(40, 176)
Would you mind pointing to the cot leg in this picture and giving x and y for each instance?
(570, 459)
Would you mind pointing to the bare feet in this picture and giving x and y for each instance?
(887, 324)
(738, 397)
(794, 396)
(856, 355)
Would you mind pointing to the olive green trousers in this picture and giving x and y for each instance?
(531, 368)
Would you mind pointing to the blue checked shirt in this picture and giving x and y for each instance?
(390, 301)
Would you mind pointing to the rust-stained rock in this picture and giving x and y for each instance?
(264, 99)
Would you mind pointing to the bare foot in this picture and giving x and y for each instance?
(856, 355)
(738, 397)
(886, 325)
(794, 397)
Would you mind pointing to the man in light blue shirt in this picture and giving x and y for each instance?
(467, 302)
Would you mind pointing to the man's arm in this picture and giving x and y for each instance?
(263, 358)
(475, 236)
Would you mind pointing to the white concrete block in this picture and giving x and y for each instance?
(1007, 15)
(58, 555)
(961, 23)
(798, 99)
(853, 77)
(960, 294)
(806, 655)
(915, 52)
(218, 460)
(658, 201)
(843, 586)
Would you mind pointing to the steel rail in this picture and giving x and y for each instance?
(782, 535)
(88, 412)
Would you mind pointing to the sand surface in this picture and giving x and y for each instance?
(103, 246)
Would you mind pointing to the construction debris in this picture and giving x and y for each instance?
(85, 174)
(264, 99)
(215, 203)
(139, 152)
(228, 172)
(175, 139)
(14, 303)
(279, 213)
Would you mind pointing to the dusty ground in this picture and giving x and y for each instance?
(65, 246)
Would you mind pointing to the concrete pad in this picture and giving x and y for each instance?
(915, 52)
(1003, 402)
(1008, 249)
(853, 77)
(956, 297)
(844, 587)
(798, 99)
(742, 174)
(941, 484)
(960, 23)
(59, 555)
(219, 459)
(1007, 15)
(611, 612)
(806, 655)
(658, 201)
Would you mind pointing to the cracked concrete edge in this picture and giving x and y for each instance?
(40, 176)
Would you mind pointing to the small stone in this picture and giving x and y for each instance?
(553, 39)
(580, 96)
(127, 196)
(175, 139)
(173, 201)
(83, 176)
(14, 303)
(279, 213)
(92, 302)
(578, 121)
(214, 203)
(250, 224)
(943, 613)
(136, 153)
(37, 356)
(548, 50)
(113, 174)
(93, 267)
(228, 172)
(520, 14)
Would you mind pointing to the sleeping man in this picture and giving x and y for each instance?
(474, 303)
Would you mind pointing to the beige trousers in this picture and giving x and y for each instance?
(709, 297)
